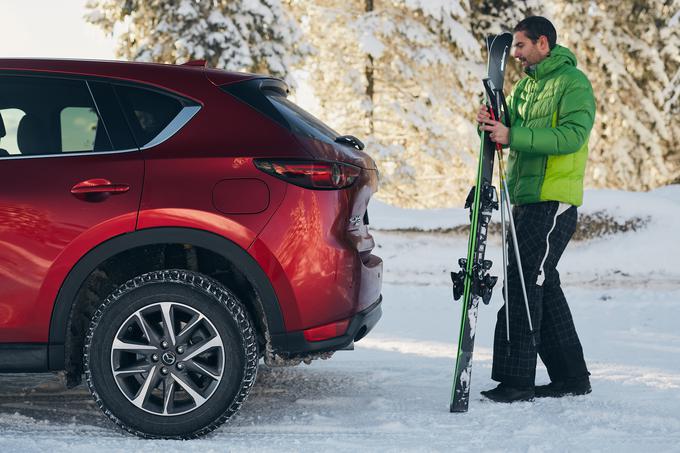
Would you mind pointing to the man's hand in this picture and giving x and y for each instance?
(483, 115)
(497, 130)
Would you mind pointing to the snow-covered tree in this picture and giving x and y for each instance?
(241, 35)
(404, 75)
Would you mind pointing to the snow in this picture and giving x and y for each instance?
(619, 205)
(674, 20)
(371, 44)
(392, 392)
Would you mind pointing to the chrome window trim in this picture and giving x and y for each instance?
(177, 123)
(68, 154)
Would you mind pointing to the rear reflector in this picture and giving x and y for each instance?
(332, 330)
(319, 175)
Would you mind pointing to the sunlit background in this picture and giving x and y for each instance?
(403, 76)
(48, 28)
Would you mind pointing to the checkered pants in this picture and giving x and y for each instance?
(543, 231)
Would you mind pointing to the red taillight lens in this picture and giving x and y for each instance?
(332, 330)
(320, 175)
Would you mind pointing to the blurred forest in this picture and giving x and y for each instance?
(404, 75)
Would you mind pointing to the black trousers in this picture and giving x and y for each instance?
(543, 232)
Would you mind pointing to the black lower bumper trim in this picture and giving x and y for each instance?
(294, 343)
(23, 357)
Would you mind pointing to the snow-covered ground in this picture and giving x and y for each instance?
(392, 392)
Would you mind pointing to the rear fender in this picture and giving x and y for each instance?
(233, 251)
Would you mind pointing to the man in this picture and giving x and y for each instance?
(551, 113)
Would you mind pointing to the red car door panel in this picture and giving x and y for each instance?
(41, 219)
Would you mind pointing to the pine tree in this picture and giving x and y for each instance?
(404, 75)
(239, 35)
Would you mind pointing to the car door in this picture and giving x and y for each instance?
(70, 175)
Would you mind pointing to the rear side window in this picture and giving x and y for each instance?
(78, 128)
(47, 115)
(149, 112)
(9, 123)
(109, 108)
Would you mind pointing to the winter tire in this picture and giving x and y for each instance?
(170, 354)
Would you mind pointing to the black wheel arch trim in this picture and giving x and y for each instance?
(152, 236)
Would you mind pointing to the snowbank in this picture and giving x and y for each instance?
(662, 205)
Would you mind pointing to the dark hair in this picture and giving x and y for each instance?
(535, 27)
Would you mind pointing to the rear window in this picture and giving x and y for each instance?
(300, 121)
(269, 98)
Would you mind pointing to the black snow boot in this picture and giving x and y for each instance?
(507, 394)
(569, 386)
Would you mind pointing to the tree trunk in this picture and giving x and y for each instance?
(369, 78)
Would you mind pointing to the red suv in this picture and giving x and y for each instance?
(164, 227)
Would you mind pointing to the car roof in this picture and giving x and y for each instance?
(168, 75)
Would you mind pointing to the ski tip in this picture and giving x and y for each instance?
(502, 37)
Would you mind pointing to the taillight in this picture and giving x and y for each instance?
(319, 175)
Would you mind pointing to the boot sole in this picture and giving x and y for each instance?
(506, 401)
(561, 394)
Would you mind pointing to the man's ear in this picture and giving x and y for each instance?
(543, 44)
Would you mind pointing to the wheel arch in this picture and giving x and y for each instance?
(264, 303)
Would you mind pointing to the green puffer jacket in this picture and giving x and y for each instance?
(552, 111)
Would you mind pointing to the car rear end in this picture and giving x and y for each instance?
(327, 279)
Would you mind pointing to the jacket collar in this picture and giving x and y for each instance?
(557, 58)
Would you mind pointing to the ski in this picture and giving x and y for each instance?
(473, 282)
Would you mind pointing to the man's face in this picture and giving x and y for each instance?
(527, 52)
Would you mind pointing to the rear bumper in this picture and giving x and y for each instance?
(294, 343)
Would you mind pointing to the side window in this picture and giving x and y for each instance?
(9, 122)
(109, 108)
(78, 128)
(50, 115)
(148, 111)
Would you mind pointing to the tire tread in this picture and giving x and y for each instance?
(219, 293)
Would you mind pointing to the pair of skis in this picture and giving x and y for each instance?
(473, 282)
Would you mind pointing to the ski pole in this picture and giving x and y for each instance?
(513, 232)
(504, 239)
(505, 200)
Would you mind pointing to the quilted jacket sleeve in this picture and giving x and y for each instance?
(576, 114)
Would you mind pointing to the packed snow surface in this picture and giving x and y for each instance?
(392, 392)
